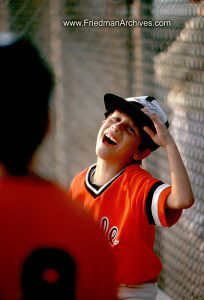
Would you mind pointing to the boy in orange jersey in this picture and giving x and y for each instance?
(124, 198)
(50, 249)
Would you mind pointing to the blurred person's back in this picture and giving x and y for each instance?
(50, 249)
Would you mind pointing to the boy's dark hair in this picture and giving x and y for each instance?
(26, 84)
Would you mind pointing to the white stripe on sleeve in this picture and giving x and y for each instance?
(155, 203)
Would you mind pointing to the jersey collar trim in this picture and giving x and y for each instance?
(90, 187)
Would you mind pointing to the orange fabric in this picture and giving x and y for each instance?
(123, 208)
(36, 214)
(167, 220)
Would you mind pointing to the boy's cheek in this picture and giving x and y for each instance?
(100, 133)
(103, 122)
(98, 140)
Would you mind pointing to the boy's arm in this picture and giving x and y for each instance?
(181, 195)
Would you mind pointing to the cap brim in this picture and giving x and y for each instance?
(115, 102)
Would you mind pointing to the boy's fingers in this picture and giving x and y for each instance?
(149, 131)
(151, 115)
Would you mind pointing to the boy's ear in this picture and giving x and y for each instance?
(139, 155)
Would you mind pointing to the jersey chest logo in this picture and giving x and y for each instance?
(111, 232)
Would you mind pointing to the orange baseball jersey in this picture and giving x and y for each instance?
(127, 208)
(50, 248)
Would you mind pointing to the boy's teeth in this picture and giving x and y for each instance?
(112, 139)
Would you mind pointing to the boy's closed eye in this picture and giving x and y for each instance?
(131, 129)
(117, 119)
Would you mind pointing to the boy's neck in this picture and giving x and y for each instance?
(105, 171)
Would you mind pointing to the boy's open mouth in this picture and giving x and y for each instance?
(109, 139)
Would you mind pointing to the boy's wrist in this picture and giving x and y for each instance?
(170, 145)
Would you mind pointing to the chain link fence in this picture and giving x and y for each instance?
(173, 71)
(165, 60)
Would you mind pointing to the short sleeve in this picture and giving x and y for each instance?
(156, 210)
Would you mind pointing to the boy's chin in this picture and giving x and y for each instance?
(104, 154)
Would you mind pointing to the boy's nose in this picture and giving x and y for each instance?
(116, 127)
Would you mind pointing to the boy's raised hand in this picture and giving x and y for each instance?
(181, 195)
(162, 136)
